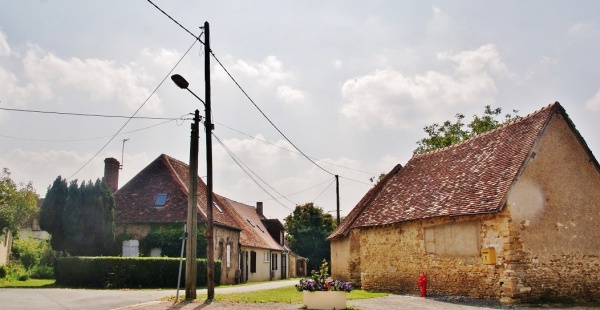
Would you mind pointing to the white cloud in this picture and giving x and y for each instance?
(337, 64)
(95, 79)
(266, 73)
(390, 99)
(440, 22)
(593, 104)
(582, 29)
(477, 61)
(163, 57)
(289, 94)
(4, 47)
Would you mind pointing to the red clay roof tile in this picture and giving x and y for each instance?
(467, 178)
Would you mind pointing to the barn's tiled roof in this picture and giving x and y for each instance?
(254, 233)
(135, 201)
(471, 177)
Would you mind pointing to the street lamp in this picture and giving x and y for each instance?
(192, 218)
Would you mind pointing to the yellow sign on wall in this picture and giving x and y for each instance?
(488, 256)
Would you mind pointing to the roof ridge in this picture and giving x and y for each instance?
(517, 120)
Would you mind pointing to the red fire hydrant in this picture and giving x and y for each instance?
(422, 282)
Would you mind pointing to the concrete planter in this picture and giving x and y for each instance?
(325, 300)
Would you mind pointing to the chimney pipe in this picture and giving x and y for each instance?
(259, 208)
(111, 174)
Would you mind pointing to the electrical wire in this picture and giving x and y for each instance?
(247, 96)
(193, 35)
(263, 113)
(245, 168)
(97, 138)
(291, 151)
(328, 186)
(136, 111)
(85, 114)
(243, 91)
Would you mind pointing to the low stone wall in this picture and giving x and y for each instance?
(564, 278)
(393, 257)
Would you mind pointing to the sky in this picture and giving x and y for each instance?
(350, 83)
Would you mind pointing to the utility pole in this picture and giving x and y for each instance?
(191, 266)
(210, 242)
(337, 195)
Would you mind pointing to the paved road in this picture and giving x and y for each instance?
(63, 299)
(66, 299)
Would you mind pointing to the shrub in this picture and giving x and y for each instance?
(31, 252)
(41, 272)
(13, 270)
(125, 272)
(3, 272)
(24, 277)
(168, 239)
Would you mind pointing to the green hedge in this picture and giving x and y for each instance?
(127, 272)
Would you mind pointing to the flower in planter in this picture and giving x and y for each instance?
(320, 281)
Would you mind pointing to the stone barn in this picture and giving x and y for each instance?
(511, 215)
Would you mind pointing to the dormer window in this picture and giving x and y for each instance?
(161, 200)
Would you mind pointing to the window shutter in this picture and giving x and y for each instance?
(252, 262)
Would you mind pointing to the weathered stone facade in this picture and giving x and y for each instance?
(223, 237)
(545, 236)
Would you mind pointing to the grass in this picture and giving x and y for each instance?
(29, 283)
(277, 295)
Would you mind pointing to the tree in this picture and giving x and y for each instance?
(450, 133)
(51, 214)
(18, 203)
(79, 218)
(307, 228)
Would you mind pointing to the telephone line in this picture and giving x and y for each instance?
(136, 111)
(240, 163)
(243, 91)
(90, 115)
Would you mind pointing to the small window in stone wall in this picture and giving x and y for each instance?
(454, 239)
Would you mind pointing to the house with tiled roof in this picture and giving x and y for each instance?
(511, 215)
(158, 196)
(262, 254)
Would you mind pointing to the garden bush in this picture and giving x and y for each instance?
(41, 272)
(126, 272)
(3, 272)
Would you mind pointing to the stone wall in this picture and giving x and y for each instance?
(558, 216)
(345, 258)
(138, 231)
(393, 257)
(224, 237)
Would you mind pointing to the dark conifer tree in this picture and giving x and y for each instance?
(52, 211)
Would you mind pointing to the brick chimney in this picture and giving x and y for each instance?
(259, 208)
(111, 174)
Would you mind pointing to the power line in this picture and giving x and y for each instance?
(86, 114)
(240, 163)
(328, 186)
(97, 138)
(266, 117)
(243, 91)
(136, 111)
(193, 35)
(286, 149)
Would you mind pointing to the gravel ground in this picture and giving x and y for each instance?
(382, 303)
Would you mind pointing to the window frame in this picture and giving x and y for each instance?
(157, 202)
